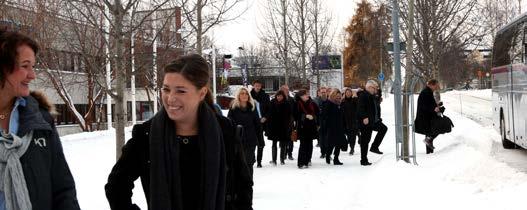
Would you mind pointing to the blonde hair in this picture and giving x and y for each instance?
(334, 93)
(236, 102)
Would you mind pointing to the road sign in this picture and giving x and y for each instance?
(381, 77)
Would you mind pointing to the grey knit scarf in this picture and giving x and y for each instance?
(13, 182)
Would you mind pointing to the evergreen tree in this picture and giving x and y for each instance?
(366, 36)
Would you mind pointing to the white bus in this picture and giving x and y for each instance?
(509, 83)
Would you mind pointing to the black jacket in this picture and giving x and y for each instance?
(350, 106)
(250, 121)
(263, 99)
(366, 109)
(279, 121)
(307, 129)
(134, 163)
(426, 104)
(333, 119)
(48, 177)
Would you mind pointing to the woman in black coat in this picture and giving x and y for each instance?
(244, 113)
(349, 104)
(306, 118)
(334, 129)
(427, 110)
(278, 119)
(33, 168)
(188, 157)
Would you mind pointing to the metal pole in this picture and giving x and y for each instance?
(108, 69)
(132, 79)
(397, 71)
(154, 60)
(213, 73)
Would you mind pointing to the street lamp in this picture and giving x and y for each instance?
(180, 31)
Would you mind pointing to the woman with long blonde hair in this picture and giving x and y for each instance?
(243, 112)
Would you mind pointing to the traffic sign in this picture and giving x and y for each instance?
(381, 77)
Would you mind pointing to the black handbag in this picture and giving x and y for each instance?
(441, 125)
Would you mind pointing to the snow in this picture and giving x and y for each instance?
(464, 172)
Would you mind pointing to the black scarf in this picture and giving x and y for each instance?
(212, 186)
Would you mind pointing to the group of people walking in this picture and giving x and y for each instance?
(188, 156)
(334, 118)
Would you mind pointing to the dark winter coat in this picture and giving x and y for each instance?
(333, 119)
(279, 121)
(48, 177)
(135, 163)
(350, 106)
(366, 109)
(307, 129)
(426, 104)
(249, 119)
(263, 99)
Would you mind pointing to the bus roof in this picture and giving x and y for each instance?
(520, 18)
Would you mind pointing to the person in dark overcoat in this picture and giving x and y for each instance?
(306, 117)
(350, 107)
(187, 156)
(320, 100)
(279, 122)
(243, 112)
(263, 100)
(369, 121)
(291, 101)
(334, 130)
(427, 109)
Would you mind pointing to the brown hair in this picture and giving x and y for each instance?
(195, 69)
(432, 82)
(302, 92)
(280, 93)
(9, 43)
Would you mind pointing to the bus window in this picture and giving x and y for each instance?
(517, 51)
(502, 45)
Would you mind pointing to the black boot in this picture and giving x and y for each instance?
(259, 165)
(365, 163)
(337, 162)
(376, 151)
(328, 159)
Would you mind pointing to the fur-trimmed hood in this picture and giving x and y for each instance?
(44, 102)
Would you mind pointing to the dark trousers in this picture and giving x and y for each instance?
(259, 154)
(249, 157)
(365, 138)
(305, 151)
(432, 137)
(336, 151)
(321, 144)
(351, 135)
(282, 150)
(381, 132)
(290, 146)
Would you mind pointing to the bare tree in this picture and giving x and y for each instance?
(258, 58)
(276, 30)
(300, 36)
(321, 33)
(60, 59)
(202, 15)
(120, 27)
(439, 22)
(495, 14)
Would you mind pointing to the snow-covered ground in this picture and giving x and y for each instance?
(465, 172)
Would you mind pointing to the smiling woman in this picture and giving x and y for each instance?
(32, 165)
(188, 156)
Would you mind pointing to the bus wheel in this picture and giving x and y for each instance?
(507, 144)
